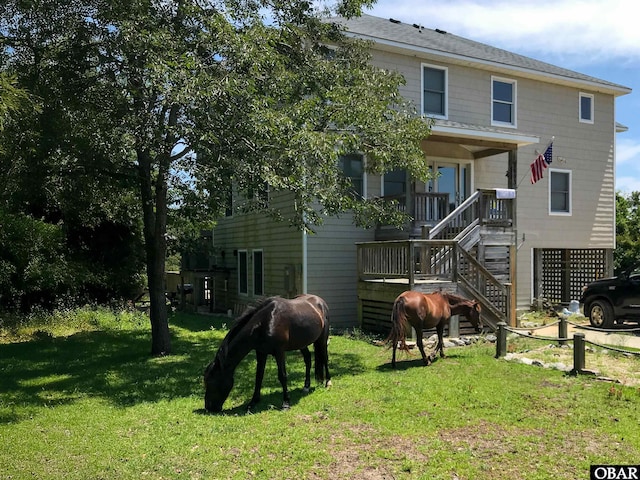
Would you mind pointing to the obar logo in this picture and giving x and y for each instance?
(615, 472)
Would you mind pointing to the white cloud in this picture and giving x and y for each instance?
(559, 28)
(628, 151)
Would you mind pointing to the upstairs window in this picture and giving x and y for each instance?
(503, 102)
(353, 168)
(434, 91)
(559, 192)
(586, 108)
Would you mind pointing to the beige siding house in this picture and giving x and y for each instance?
(494, 112)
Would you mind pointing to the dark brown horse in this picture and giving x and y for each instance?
(424, 311)
(272, 327)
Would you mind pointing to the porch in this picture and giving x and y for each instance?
(471, 251)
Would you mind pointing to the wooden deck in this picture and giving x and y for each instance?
(471, 252)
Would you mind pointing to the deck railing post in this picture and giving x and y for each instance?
(578, 353)
(411, 264)
(501, 340)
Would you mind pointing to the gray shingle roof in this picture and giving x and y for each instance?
(438, 42)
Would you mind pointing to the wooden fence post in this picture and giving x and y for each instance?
(562, 330)
(578, 353)
(501, 340)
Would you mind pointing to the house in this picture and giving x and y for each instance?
(494, 113)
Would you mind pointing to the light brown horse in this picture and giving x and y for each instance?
(423, 311)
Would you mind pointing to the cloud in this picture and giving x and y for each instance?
(560, 28)
(628, 151)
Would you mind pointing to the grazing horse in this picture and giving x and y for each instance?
(272, 327)
(424, 311)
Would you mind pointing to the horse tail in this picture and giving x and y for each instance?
(320, 349)
(398, 325)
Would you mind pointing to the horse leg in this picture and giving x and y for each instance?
(282, 376)
(425, 359)
(440, 346)
(261, 361)
(307, 368)
(393, 356)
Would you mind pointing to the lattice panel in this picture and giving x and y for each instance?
(565, 272)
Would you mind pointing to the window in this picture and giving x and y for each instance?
(395, 182)
(586, 108)
(559, 192)
(258, 273)
(434, 91)
(503, 102)
(243, 272)
(353, 168)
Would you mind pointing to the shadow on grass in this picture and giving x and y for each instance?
(117, 367)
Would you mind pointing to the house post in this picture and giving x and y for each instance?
(512, 182)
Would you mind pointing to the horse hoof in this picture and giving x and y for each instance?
(305, 390)
(286, 406)
(328, 384)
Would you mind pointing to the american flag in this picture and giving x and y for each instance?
(541, 162)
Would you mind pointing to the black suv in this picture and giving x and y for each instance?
(614, 299)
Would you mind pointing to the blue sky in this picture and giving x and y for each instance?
(597, 37)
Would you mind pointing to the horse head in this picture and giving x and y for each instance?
(474, 315)
(218, 384)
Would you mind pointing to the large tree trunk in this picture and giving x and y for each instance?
(154, 206)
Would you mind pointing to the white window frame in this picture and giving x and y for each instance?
(591, 112)
(246, 260)
(570, 193)
(514, 104)
(253, 264)
(445, 114)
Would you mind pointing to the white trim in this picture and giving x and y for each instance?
(514, 104)
(246, 252)
(569, 172)
(446, 90)
(582, 95)
(305, 262)
(253, 264)
(507, 137)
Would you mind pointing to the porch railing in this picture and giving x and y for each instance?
(483, 206)
(422, 260)
(424, 208)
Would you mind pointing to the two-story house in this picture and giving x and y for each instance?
(495, 112)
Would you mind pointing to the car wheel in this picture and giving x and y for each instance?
(601, 314)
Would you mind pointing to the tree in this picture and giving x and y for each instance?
(180, 97)
(627, 252)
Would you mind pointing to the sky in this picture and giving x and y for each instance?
(595, 37)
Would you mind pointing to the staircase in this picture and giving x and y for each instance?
(482, 229)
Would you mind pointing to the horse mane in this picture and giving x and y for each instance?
(454, 299)
(239, 324)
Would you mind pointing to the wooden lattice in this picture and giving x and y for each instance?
(560, 274)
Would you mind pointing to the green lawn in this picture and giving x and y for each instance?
(88, 402)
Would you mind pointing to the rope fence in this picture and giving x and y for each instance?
(578, 339)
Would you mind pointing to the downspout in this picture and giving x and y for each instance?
(304, 279)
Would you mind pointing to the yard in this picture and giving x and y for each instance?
(82, 398)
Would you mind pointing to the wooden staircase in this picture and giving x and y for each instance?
(472, 248)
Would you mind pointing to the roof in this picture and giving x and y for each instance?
(390, 34)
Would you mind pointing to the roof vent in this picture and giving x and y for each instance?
(441, 31)
(393, 20)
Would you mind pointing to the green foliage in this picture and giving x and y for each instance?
(158, 107)
(93, 398)
(627, 252)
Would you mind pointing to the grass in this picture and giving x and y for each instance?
(83, 399)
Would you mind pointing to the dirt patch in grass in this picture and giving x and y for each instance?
(605, 364)
(515, 453)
